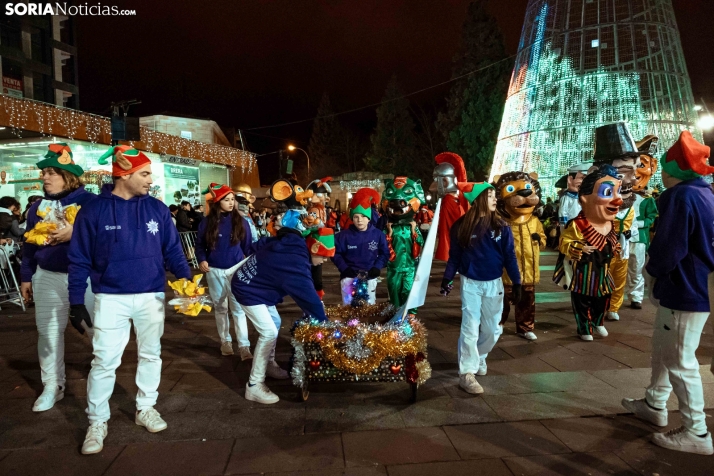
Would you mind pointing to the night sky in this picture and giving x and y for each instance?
(251, 63)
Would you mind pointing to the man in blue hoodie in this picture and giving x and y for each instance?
(361, 247)
(122, 241)
(684, 252)
(279, 267)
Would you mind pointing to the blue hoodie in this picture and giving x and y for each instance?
(280, 267)
(50, 258)
(682, 251)
(360, 250)
(123, 246)
(485, 259)
(225, 255)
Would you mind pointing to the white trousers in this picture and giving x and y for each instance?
(113, 317)
(267, 322)
(347, 288)
(675, 366)
(51, 316)
(219, 287)
(635, 281)
(481, 309)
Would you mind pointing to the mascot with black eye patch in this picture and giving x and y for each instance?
(518, 194)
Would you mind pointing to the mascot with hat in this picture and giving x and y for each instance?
(448, 174)
(682, 267)
(569, 206)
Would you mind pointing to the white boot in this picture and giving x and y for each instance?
(50, 395)
(94, 441)
(601, 331)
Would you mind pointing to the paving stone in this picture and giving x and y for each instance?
(492, 385)
(181, 426)
(498, 440)
(488, 467)
(448, 411)
(584, 435)
(388, 447)
(535, 406)
(38, 433)
(568, 361)
(207, 381)
(591, 464)
(58, 461)
(281, 454)
(370, 471)
(633, 358)
(651, 459)
(353, 418)
(207, 458)
(625, 378)
(519, 366)
(268, 420)
(561, 382)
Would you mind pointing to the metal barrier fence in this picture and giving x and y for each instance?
(9, 286)
(188, 243)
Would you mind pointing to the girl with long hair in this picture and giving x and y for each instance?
(481, 247)
(44, 269)
(223, 239)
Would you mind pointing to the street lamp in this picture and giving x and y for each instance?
(291, 148)
(706, 122)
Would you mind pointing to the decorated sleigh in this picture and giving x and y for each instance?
(370, 343)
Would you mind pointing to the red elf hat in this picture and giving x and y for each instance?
(125, 160)
(362, 202)
(321, 242)
(218, 192)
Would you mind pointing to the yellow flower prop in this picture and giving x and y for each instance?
(70, 213)
(40, 234)
(191, 296)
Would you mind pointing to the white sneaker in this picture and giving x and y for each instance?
(245, 353)
(260, 393)
(227, 348)
(482, 367)
(274, 371)
(586, 338)
(601, 331)
(151, 419)
(468, 382)
(681, 439)
(51, 394)
(613, 316)
(94, 441)
(527, 335)
(645, 412)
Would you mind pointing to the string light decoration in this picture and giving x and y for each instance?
(21, 114)
(354, 185)
(581, 65)
(337, 351)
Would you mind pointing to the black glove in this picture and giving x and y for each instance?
(77, 314)
(374, 273)
(349, 273)
(446, 287)
(627, 234)
(517, 293)
(535, 237)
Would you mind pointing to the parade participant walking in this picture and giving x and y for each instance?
(569, 205)
(587, 246)
(44, 268)
(123, 240)
(222, 241)
(683, 266)
(361, 247)
(279, 267)
(481, 247)
(448, 174)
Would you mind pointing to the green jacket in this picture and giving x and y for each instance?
(401, 242)
(646, 216)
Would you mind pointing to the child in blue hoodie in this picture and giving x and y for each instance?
(280, 267)
(481, 247)
(44, 268)
(222, 241)
(360, 247)
(122, 241)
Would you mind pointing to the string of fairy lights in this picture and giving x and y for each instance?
(52, 120)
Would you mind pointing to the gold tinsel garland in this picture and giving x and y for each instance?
(390, 340)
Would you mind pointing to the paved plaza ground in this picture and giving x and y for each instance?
(549, 407)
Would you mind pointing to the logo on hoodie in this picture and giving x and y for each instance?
(153, 227)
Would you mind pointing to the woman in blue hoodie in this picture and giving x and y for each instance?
(222, 241)
(481, 247)
(280, 267)
(44, 269)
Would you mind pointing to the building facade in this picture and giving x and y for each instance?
(585, 63)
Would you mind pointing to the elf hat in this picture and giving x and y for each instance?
(321, 242)
(362, 202)
(125, 160)
(218, 192)
(456, 162)
(60, 156)
(472, 190)
(687, 158)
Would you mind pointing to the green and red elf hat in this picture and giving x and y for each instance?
(125, 160)
(218, 192)
(362, 202)
(60, 156)
(687, 158)
(321, 242)
(472, 190)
